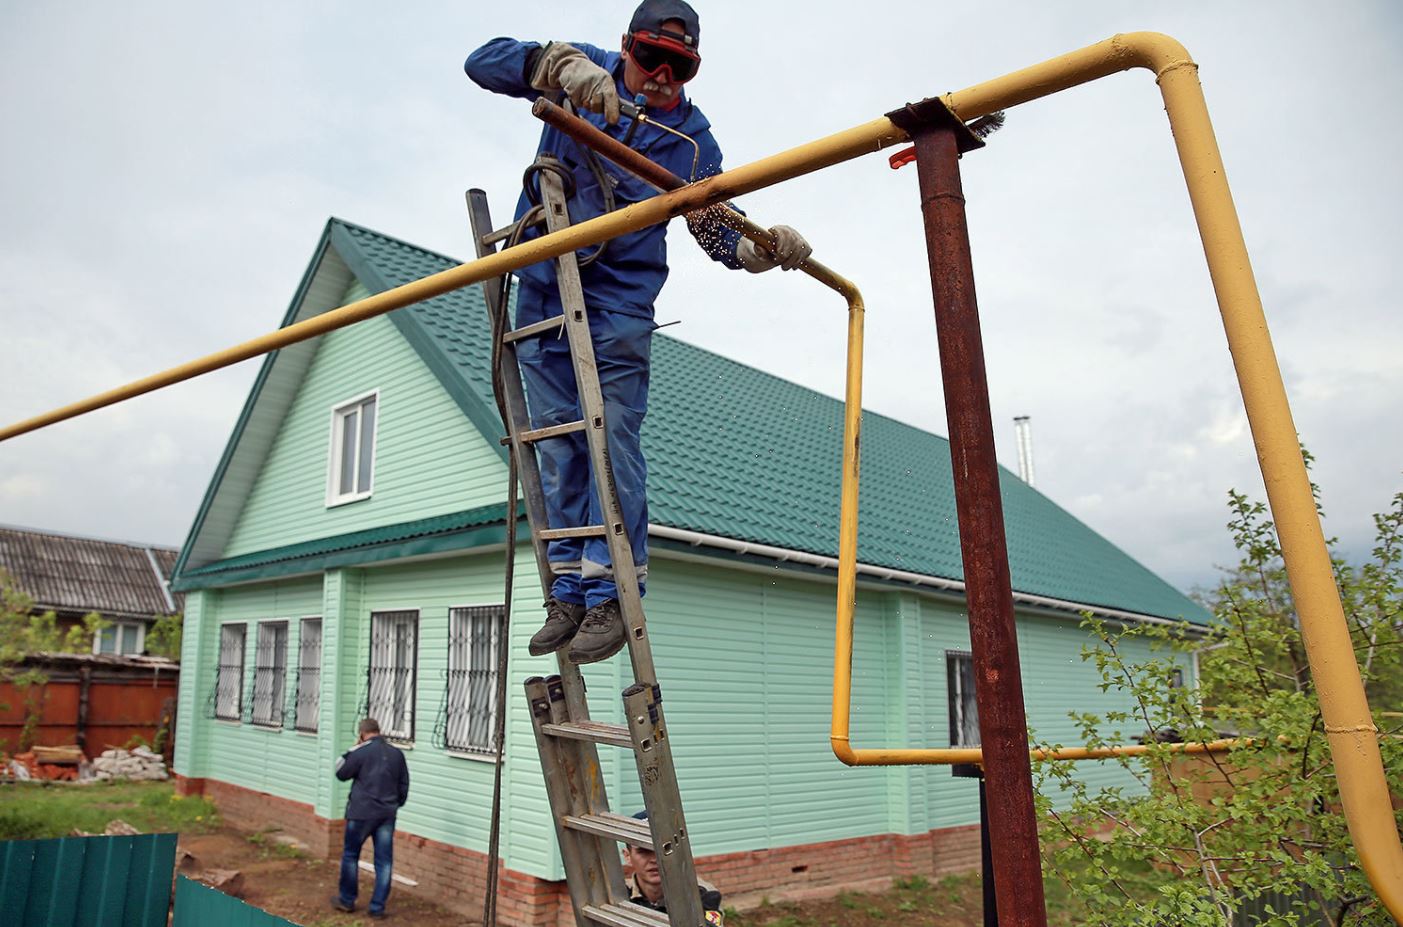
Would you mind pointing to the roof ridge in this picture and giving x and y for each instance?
(49, 532)
(357, 227)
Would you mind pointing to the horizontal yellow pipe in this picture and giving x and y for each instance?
(1352, 734)
(824, 152)
(1350, 729)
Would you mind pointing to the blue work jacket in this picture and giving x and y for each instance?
(632, 271)
(380, 777)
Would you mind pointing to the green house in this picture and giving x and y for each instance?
(348, 558)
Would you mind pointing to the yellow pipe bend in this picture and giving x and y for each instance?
(1352, 734)
(1354, 747)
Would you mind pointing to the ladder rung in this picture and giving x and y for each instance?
(607, 824)
(626, 914)
(588, 531)
(501, 234)
(552, 431)
(535, 328)
(598, 732)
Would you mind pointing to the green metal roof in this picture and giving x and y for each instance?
(735, 452)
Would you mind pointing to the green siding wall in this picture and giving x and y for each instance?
(745, 662)
(279, 761)
(418, 422)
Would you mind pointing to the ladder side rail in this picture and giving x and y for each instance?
(652, 747)
(592, 406)
(527, 468)
(594, 797)
(576, 851)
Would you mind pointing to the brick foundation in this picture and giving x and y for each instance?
(455, 877)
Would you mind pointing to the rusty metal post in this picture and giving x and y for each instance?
(998, 684)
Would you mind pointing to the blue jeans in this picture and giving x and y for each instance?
(382, 834)
(583, 568)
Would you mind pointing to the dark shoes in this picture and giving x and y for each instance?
(602, 634)
(340, 905)
(379, 915)
(562, 621)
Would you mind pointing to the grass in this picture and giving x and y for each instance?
(38, 810)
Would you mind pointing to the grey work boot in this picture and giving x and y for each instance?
(601, 635)
(562, 621)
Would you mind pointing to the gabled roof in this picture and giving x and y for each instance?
(77, 574)
(737, 453)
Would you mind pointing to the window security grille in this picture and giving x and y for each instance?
(474, 634)
(307, 707)
(964, 710)
(394, 657)
(270, 673)
(229, 679)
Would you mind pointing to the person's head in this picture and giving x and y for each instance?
(369, 728)
(644, 863)
(660, 50)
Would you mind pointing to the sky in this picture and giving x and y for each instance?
(167, 169)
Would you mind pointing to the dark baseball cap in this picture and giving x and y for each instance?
(651, 14)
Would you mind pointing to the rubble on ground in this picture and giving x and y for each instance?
(141, 764)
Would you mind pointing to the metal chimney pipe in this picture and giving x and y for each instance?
(1023, 426)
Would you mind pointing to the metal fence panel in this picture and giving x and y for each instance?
(198, 905)
(87, 881)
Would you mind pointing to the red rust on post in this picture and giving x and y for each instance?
(1003, 726)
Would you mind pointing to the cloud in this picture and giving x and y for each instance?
(177, 164)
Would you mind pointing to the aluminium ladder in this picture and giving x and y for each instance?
(587, 831)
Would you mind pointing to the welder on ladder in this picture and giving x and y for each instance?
(659, 54)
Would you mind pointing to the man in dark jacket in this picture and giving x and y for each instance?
(379, 787)
(658, 55)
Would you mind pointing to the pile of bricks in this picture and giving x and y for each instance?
(54, 763)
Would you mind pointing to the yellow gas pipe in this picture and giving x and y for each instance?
(1350, 728)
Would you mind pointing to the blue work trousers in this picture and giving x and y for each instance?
(382, 835)
(582, 567)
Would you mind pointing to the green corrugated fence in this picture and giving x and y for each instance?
(87, 881)
(198, 905)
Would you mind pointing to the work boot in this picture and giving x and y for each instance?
(602, 634)
(562, 621)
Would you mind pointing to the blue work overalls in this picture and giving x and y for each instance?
(619, 290)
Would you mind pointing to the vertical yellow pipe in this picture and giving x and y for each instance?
(1352, 734)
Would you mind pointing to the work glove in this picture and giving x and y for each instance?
(791, 250)
(562, 66)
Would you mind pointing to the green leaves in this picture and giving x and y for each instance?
(1255, 834)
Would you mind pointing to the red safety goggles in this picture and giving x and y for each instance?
(659, 52)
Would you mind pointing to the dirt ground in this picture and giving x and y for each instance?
(286, 882)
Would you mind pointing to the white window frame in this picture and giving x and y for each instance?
(238, 688)
(334, 496)
(392, 683)
(269, 678)
(308, 721)
(117, 627)
(958, 696)
(477, 678)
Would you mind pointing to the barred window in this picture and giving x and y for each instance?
(474, 634)
(229, 679)
(394, 658)
(307, 710)
(964, 711)
(270, 673)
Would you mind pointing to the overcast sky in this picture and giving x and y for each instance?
(167, 168)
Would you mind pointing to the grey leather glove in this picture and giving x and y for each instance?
(791, 250)
(562, 66)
